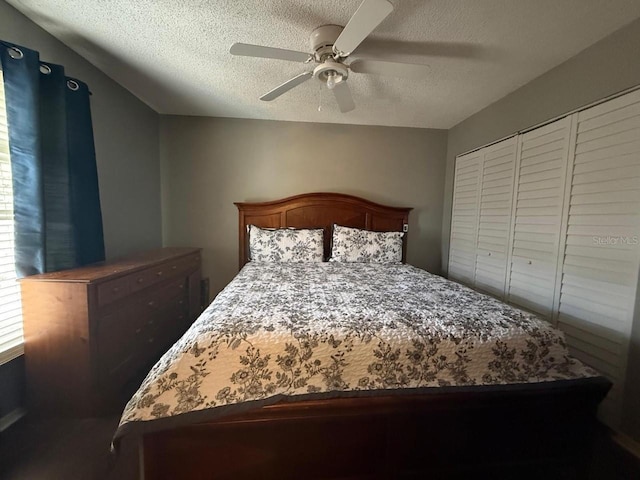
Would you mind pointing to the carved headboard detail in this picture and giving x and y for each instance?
(320, 210)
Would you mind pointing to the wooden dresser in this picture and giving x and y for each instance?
(92, 332)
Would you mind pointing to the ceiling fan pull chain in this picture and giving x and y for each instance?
(320, 98)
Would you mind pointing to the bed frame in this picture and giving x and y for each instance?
(525, 431)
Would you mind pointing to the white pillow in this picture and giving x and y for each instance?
(285, 244)
(365, 246)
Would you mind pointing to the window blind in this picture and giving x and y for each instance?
(11, 340)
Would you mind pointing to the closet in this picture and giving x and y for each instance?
(549, 220)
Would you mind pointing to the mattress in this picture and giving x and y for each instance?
(298, 331)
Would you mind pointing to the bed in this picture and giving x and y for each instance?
(360, 370)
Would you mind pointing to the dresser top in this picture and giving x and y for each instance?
(111, 269)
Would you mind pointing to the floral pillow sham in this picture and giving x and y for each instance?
(286, 245)
(365, 246)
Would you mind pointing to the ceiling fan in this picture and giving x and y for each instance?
(331, 46)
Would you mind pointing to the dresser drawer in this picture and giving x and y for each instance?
(159, 298)
(152, 321)
(144, 279)
(165, 329)
(117, 333)
(185, 264)
(150, 276)
(116, 371)
(125, 331)
(113, 290)
(160, 273)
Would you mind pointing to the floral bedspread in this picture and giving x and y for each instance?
(294, 329)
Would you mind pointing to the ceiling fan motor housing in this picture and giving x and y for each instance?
(322, 40)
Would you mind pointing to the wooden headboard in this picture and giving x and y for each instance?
(320, 210)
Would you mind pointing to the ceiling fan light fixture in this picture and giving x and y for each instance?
(331, 80)
(331, 73)
(331, 83)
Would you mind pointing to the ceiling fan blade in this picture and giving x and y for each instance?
(286, 86)
(394, 69)
(368, 16)
(343, 96)
(248, 50)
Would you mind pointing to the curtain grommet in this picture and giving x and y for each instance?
(73, 85)
(45, 69)
(15, 53)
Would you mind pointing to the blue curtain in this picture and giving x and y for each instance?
(58, 221)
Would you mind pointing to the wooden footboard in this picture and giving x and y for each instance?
(515, 433)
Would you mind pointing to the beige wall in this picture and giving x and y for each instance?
(126, 139)
(209, 163)
(609, 66)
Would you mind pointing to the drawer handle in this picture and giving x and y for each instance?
(180, 302)
(159, 274)
(150, 340)
(181, 317)
(116, 289)
(181, 286)
(529, 262)
(150, 322)
(489, 254)
(174, 267)
(140, 280)
(138, 330)
(151, 303)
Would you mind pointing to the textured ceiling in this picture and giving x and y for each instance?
(173, 54)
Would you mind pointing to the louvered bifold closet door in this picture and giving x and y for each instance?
(494, 223)
(600, 269)
(538, 214)
(464, 217)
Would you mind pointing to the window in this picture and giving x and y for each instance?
(11, 340)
